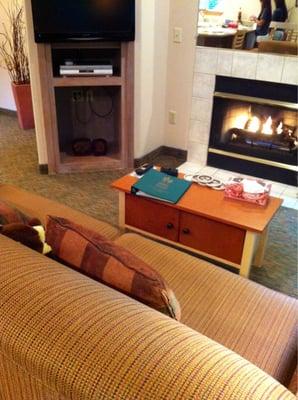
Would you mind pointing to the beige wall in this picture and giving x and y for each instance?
(180, 63)
(6, 97)
(151, 50)
(293, 15)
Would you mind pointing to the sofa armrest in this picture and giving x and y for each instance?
(83, 340)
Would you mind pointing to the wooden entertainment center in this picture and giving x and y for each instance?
(120, 154)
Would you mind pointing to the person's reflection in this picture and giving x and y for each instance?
(280, 14)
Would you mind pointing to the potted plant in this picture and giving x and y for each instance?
(13, 54)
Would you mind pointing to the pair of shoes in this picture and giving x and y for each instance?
(87, 147)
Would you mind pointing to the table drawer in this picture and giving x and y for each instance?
(212, 237)
(152, 217)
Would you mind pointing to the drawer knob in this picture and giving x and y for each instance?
(186, 231)
(170, 225)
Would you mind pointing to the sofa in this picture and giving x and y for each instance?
(65, 336)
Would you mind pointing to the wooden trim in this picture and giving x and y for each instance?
(52, 103)
(161, 151)
(130, 62)
(43, 169)
(127, 105)
(147, 158)
(123, 108)
(87, 45)
(10, 113)
(87, 81)
(46, 105)
(77, 164)
(174, 152)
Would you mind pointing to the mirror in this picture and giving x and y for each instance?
(256, 25)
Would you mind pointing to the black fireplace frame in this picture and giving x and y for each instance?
(252, 162)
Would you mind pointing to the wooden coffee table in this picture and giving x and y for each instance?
(203, 221)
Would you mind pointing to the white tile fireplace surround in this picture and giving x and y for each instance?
(237, 64)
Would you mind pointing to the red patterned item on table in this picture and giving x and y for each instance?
(250, 190)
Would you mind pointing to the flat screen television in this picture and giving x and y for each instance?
(71, 20)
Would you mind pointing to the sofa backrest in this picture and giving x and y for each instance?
(39, 207)
(64, 336)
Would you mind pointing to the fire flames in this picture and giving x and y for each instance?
(252, 129)
(279, 129)
(267, 127)
(254, 124)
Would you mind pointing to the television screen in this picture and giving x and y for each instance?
(62, 20)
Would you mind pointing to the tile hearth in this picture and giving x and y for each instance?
(288, 193)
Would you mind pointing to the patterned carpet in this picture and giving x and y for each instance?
(90, 192)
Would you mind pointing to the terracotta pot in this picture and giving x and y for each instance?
(23, 99)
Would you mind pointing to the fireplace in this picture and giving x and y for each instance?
(254, 129)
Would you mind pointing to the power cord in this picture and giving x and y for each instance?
(79, 119)
(111, 109)
(92, 109)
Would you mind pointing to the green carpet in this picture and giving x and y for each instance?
(90, 192)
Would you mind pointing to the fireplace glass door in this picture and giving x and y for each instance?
(255, 128)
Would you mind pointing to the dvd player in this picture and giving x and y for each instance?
(86, 70)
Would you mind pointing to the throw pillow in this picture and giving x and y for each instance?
(9, 215)
(103, 260)
(33, 237)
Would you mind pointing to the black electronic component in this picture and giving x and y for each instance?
(143, 169)
(169, 171)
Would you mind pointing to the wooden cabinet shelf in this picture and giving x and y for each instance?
(87, 81)
(75, 164)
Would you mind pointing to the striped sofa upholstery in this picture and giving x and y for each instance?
(64, 336)
(255, 322)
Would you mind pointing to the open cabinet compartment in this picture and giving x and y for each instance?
(89, 113)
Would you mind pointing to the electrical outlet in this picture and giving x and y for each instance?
(77, 96)
(177, 35)
(172, 117)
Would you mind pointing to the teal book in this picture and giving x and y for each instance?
(160, 186)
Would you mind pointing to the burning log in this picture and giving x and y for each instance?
(283, 141)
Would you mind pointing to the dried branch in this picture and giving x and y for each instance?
(12, 43)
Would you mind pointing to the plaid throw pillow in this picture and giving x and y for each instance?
(10, 215)
(100, 259)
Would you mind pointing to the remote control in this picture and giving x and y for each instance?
(143, 169)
